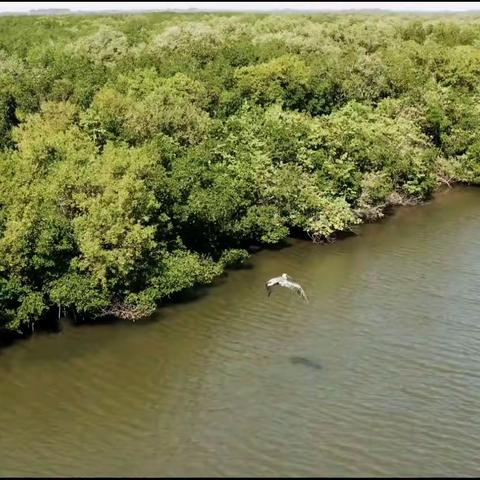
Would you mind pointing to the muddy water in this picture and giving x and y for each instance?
(378, 375)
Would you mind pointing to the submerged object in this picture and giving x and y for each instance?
(306, 362)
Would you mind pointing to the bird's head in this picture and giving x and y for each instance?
(284, 275)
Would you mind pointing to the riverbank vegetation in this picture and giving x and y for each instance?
(141, 155)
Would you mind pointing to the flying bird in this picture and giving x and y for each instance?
(287, 282)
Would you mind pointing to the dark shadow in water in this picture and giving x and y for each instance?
(306, 362)
(346, 234)
(47, 325)
(89, 321)
(279, 246)
(194, 293)
(8, 338)
(241, 266)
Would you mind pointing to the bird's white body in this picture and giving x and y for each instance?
(285, 281)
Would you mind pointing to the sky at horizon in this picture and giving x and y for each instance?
(261, 6)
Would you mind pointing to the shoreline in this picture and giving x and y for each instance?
(51, 324)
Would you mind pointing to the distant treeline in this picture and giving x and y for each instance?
(141, 155)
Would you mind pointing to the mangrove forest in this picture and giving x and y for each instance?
(143, 154)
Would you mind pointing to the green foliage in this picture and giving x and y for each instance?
(104, 47)
(233, 257)
(181, 269)
(80, 292)
(141, 155)
(283, 79)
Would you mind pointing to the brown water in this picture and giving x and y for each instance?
(378, 375)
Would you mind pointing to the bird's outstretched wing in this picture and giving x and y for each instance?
(271, 283)
(298, 289)
(302, 293)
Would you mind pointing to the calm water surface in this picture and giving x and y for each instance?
(378, 375)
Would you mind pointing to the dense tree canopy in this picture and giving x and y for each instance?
(141, 155)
